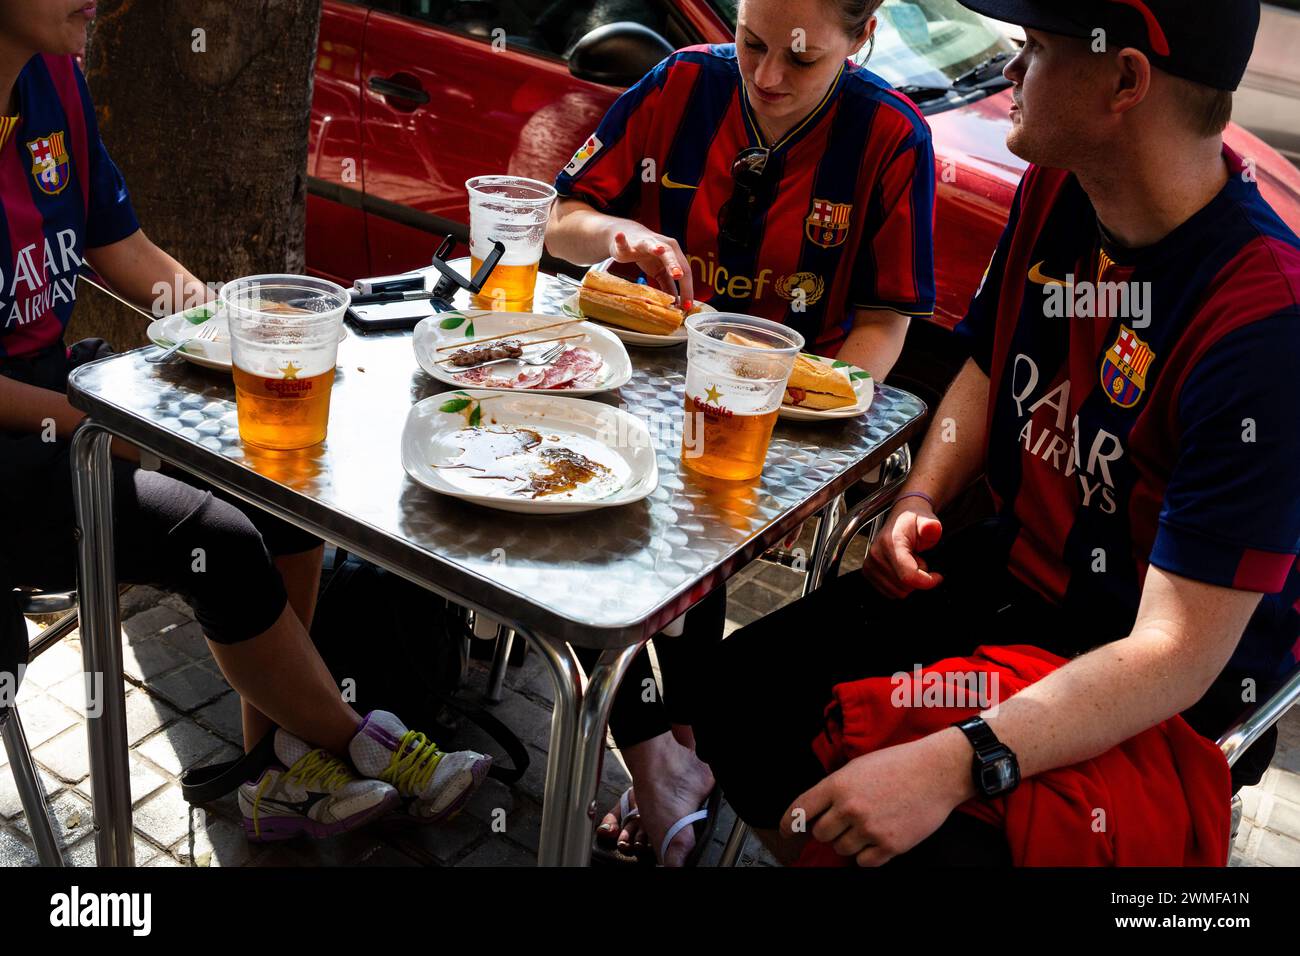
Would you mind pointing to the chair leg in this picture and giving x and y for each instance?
(30, 792)
(735, 844)
(505, 640)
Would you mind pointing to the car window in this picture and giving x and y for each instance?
(921, 42)
(548, 27)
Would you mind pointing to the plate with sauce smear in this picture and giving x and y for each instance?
(528, 453)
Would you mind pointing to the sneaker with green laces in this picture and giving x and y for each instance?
(437, 784)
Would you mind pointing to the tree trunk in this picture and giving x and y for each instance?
(204, 105)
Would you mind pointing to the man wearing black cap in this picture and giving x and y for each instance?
(1133, 401)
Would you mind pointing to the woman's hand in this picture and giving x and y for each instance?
(894, 563)
(659, 257)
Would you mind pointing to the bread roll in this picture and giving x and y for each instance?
(818, 386)
(628, 305)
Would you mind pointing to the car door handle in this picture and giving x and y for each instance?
(400, 91)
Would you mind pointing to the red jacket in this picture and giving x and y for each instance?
(1158, 799)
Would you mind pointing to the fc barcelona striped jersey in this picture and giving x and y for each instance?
(848, 213)
(1144, 404)
(59, 195)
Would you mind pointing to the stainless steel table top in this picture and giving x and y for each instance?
(600, 579)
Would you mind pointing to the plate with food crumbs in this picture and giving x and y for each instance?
(528, 453)
(214, 352)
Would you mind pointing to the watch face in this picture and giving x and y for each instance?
(999, 775)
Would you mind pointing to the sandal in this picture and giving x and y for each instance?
(705, 822)
(612, 855)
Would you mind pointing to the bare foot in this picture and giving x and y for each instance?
(630, 837)
(671, 782)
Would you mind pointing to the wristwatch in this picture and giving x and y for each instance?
(994, 769)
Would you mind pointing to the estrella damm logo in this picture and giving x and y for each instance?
(827, 224)
(787, 287)
(49, 163)
(1124, 368)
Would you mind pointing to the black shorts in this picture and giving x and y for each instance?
(769, 683)
(170, 530)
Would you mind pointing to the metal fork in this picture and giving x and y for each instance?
(207, 332)
(550, 355)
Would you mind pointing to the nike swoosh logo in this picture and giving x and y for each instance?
(669, 184)
(1038, 277)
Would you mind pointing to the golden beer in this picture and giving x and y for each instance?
(725, 444)
(508, 289)
(288, 412)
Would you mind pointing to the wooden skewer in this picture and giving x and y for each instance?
(558, 338)
(507, 335)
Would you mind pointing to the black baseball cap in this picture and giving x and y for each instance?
(1208, 41)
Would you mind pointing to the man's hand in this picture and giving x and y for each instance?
(884, 803)
(894, 563)
(659, 257)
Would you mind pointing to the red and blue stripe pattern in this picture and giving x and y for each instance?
(1119, 441)
(847, 224)
(59, 195)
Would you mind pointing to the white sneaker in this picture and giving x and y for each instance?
(439, 784)
(309, 792)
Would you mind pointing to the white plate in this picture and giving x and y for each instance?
(427, 442)
(863, 386)
(645, 339)
(209, 353)
(447, 328)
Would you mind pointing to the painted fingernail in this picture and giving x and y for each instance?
(660, 250)
(677, 273)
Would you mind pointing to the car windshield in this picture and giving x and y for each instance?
(924, 43)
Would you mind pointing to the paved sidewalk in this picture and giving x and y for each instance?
(180, 713)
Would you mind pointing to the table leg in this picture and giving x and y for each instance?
(577, 745)
(110, 777)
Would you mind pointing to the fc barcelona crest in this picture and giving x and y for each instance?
(1124, 368)
(49, 163)
(828, 223)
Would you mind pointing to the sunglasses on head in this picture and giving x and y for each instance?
(736, 220)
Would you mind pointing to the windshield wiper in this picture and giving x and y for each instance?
(987, 70)
(919, 94)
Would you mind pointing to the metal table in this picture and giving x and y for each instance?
(608, 579)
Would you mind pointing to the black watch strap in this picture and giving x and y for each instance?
(994, 768)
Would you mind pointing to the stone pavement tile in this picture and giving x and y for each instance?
(83, 853)
(222, 715)
(215, 843)
(145, 781)
(384, 855)
(15, 852)
(65, 755)
(189, 640)
(531, 723)
(191, 686)
(1284, 817)
(138, 598)
(761, 598)
(778, 577)
(532, 678)
(148, 624)
(180, 746)
(56, 664)
(144, 715)
(431, 843)
(498, 850)
(162, 859)
(72, 692)
(1276, 849)
(1284, 784)
(166, 818)
(43, 718)
(1250, 797)
(739, 615)
(10, 805)
(147, 659)
(520, 815)
(70, 816)
(533, 781)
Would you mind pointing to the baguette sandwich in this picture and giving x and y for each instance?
(628, 305)
(818, 386)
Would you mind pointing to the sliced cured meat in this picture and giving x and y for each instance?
(530, 377)
(577, 365)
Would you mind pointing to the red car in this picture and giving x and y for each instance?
(413, 97)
